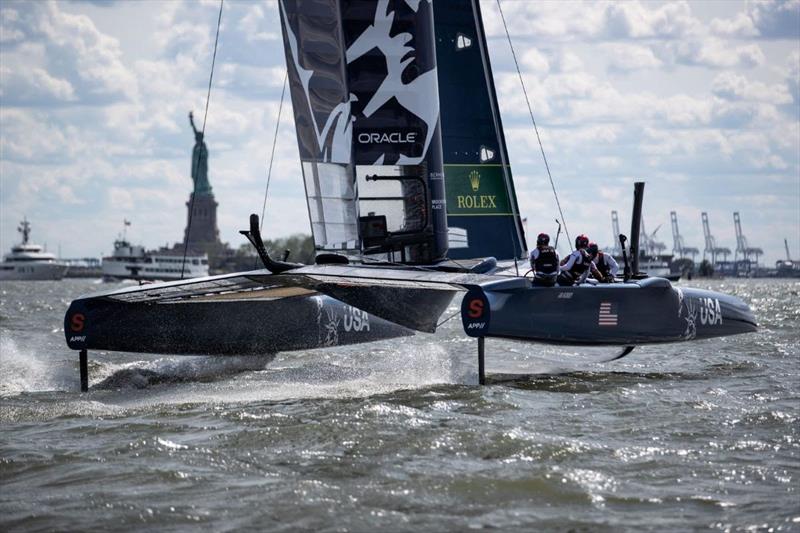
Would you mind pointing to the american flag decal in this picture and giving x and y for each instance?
(607, 315)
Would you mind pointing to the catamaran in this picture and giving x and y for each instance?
(411, 202)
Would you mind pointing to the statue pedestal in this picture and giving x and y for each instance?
(203, 234)
(203, 229)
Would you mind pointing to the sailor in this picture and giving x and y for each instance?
(606, 265)
(578, 265)
(544, 262)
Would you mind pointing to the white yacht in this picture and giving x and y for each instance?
(29, 261)
(134, 262)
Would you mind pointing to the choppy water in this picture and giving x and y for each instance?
(397, 436)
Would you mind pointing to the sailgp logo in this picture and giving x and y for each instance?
(394, 137)
(475, 313)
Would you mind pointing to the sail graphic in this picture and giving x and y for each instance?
(364, 90)
(482, 211)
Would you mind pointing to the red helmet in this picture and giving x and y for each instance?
(543, 239)
(593, 248)
(581, 241)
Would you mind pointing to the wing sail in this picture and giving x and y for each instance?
(364, 89)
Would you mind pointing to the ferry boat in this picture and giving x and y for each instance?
(29, 261)
(134, 262)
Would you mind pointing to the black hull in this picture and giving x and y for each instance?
(244, 327)
(648, 311)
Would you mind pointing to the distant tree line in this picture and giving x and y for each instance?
(300, 246)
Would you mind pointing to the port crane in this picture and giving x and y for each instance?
(741, 244)
(711, 244)
(649, 243)
(678, 247)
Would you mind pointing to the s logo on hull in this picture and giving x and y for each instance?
(475, 313)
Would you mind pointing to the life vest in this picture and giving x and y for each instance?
(602, 264)
(579, 268)
(547, 262)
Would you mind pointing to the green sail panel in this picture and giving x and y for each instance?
(477, 190)
(482, 211)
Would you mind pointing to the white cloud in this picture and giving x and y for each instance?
(549, 20)
(71, 50)
(256, 26)
(33, 85)
(741, 25)
(793, 75)
(535, 61)
(769, 19)
(711, 52)
(733, 86)
(630, 57)
(634, 20)
(8, 32)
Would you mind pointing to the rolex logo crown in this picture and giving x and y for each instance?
(475, 180)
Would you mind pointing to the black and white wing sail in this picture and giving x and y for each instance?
(364, 89)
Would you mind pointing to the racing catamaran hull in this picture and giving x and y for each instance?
(647, 311)
(197, 320)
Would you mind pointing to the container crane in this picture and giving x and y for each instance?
(649, 243)
(741, 244)
(787, 267)
(678, 247)
(711, 243)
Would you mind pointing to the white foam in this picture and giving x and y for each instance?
(27, 370)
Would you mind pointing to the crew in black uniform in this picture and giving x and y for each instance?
(606, 265)
(577, 265)
(544, 262)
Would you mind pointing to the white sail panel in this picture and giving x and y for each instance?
(332, 205)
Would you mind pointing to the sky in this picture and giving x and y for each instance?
(701, 100)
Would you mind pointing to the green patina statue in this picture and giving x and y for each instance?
(199, 163)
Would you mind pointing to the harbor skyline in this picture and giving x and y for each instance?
(699, 100)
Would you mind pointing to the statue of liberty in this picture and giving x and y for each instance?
(199, 162)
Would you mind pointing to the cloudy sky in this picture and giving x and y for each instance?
(699, 99)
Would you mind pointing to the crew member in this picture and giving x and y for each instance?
(544, 262)
(578, 264)
(606, 265)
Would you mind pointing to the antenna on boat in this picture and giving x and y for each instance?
(25, 229)
(626, 272)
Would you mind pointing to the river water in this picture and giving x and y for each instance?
(396, 435)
